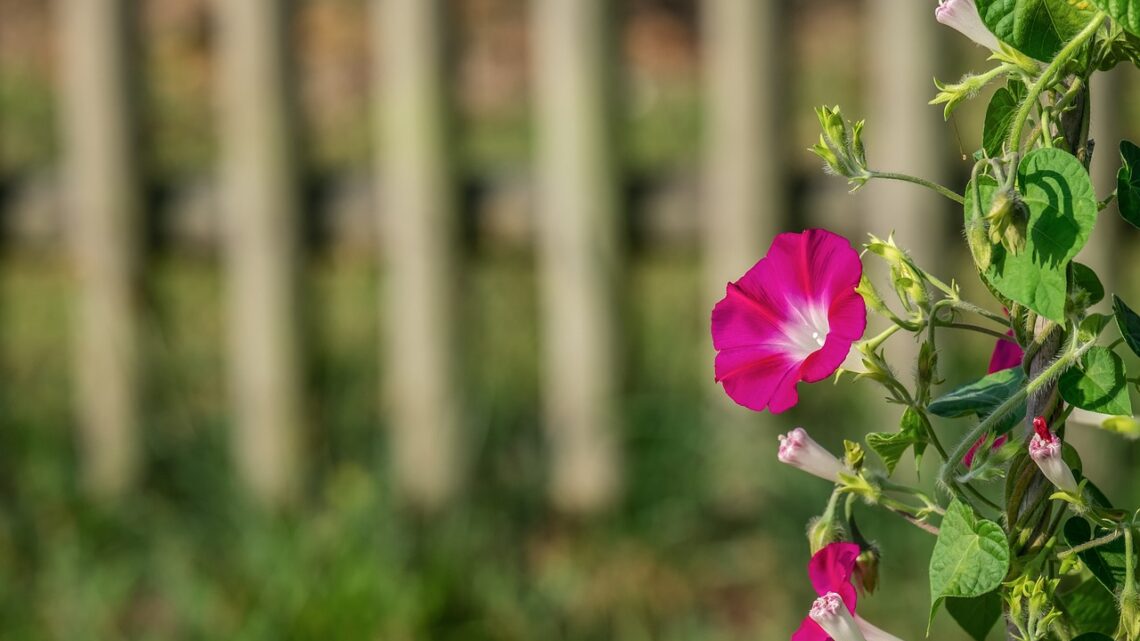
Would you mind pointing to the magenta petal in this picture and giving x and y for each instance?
(968, 459)
(751, 375)
(848, 316)
(831, 568)
(810, 631)
(1006, 354)
(817, 264)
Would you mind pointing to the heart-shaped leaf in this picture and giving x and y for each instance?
(999, 117)
(971, 556)
(1099, 384)
(1062, 205)
(1037, 28)
(1091, 607)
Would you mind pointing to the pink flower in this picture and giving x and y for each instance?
(963, 15)
(800, 450)
(832, 616)
(791, 318)
(1006, 355)
(1045, 450)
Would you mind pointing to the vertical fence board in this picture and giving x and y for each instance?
(1105, 129)
(261, 219)
(103, 197)
(744, 202)
(418, 212)
(577, 247)
(905, 134)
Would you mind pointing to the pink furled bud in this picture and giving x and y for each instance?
(1045, 450)
(831, 614)
(963, 16)
(799, 450)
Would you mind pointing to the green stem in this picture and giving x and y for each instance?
(1088, 545)
(1129, 569)
(981, 330)
(945, 191)
(1046, 77)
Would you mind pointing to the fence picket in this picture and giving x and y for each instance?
(419, 221)
(577, 248)
(103, 201)
(261, 216)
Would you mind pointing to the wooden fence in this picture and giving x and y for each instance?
(576, 186)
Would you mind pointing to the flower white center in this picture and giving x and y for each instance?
(806, 330)
(832, 615)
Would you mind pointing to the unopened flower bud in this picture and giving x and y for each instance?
(963, 16)
(1045, 450)
(841, 148)
(1129, 614)
(867, 569)
(799, 450)
(831, 614)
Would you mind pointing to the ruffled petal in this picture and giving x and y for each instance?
(847, 316)
(810, 631)
(741, 319)
(752, 375)
(816, 265)
(831, 568)
(823, 363)
(785, 396)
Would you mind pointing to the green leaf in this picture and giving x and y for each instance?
(1092, 326)
(1128, 183)
(1037, 28)
(982, 397)
(1129, 323)
(1062, 210)
(890, 446)
(1093, 636)
(1125, 13)
(976, 615)
(1092, 608)
(1106, 562)
(999, 117)
(1085, 280)
(971, 556)
(1099, 384)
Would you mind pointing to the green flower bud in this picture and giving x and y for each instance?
(1129, 614)
(841, 149)
(867, 569)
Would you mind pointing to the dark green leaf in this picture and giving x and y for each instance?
(1037, 28)
(1092, 608)
(1092, 326)
(999, 117)
(970, 558)
(1128, 183)
(1062, 207)
(1106, 562)
(982, 397)
(1129, 323)
(1085, 280)
(1099, 384)
(977, 615)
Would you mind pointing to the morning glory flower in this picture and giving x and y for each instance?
(800, 450)
(832, 616)
(1045, 450)
(792, 317)
(963, 16)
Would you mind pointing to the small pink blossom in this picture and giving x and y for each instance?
(963, 16)
(792, 317)
(800, 450)
(832, 616)
(1045, 449)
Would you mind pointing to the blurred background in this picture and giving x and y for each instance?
(387, 319)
